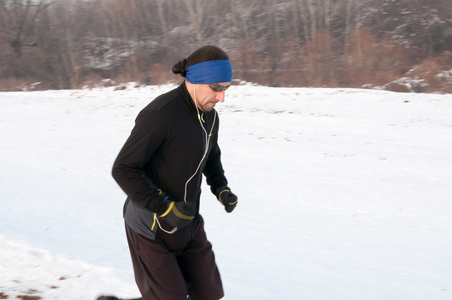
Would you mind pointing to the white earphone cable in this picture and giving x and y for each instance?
(207, 137)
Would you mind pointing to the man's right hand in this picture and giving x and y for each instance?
(178, 214)
(162, 204)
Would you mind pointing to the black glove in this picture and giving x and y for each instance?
(162, 203)
(228, 199)
(177, 215)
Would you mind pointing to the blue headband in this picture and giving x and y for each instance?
(211, 71)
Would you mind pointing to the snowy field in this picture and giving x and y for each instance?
(343, 194)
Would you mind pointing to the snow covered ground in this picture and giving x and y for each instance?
(343, 194)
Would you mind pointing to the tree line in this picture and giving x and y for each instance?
(336, 43)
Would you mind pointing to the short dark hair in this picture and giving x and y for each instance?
(203, 54)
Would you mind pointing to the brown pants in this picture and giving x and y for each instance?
(175, 266)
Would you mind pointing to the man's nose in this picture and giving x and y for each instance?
(220, 96)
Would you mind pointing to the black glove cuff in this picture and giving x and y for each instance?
(161, 203)
(221, 189)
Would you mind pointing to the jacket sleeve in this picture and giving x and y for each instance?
(128, 168)
(214, 169)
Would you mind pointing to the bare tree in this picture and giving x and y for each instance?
(348, 20)
(270, 41)
(161, 14)
(200, 17)
(243, 12)
(19, 18)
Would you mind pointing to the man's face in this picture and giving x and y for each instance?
(206, 98)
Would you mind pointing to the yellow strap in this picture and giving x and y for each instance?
(202, 118)
(181, 215)
(219, 195)
(153, 224)
(168, 210)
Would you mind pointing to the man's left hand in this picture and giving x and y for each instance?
(227, 198)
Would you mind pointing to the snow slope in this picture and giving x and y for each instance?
(343, 194)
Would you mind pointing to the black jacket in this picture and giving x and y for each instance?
(167, 151)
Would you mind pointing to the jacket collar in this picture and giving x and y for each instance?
(189, 100)
(186, 95)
